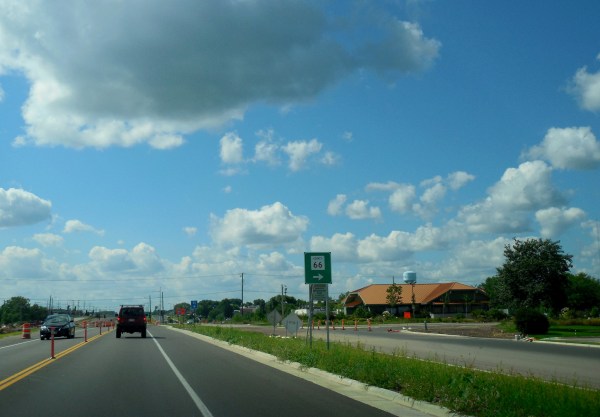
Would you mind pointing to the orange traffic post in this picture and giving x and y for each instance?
(26, 331)
(343, 328)
(85, 331)
(333, 324)
(355, 325)
(369, 322)
(52, 342)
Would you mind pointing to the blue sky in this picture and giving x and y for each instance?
(151, 146)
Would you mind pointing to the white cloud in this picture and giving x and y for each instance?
(569, 148)
(266, 151)
(155, 86)
(270, 225)
(402, 198)
(359, 209)
(397, 246)
(378, 186)
(143, 259)
(20, 208)
(146, 259)
(356, 210)
(459, 179)
(429, 199)
(511, 200)
(232, 149)
(344, 246)
(48, 239)
(111, 259)
(335, 206)
(73, 226)
(585, 86)
(23, 263)
(554, 221)
(190, 231)
(300, 151)
(525, 188)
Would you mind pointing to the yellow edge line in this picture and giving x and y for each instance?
(36, 367)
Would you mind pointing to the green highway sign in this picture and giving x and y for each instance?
(317, 267)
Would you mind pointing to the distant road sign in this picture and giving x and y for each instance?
(319, 292)
(194, 304)
(317, 267)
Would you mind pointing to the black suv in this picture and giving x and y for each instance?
(131, 319)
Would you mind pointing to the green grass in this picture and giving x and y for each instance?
(571, 331)
(462, 390)
(2, 335)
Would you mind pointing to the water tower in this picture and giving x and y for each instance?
(410, 277)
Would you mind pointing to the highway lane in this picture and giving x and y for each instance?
(167, 374)
(17, 353)
(551, 361)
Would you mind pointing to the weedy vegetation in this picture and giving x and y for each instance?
(462, 390)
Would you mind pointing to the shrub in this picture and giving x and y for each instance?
(531, 322)
(495, 314)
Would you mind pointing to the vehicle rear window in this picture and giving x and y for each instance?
(132, 312)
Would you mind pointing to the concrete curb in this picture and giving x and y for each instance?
(386, 400)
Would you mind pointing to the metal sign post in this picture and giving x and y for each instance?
(317, 274)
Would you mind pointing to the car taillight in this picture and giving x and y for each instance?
(145, 319)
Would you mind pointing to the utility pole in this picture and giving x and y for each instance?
(283, 287)
(242, 306)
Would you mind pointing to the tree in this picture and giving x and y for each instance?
(534, 275)
(18, 309)
(394, 295)
(490, 287)
(583, 292)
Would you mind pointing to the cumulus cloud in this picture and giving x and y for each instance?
(554, 221)
(155, 85)
(459, 179)
(359, 209)
(336, 206)
(569, 148)
(510, 201)
(267, 152)
(107, 259)
(20, 208)
(356, 210)
(232, 149)
(396, 246)
(299, 151)
(48, 239)
(344, 245)
(401, 199)
(270, 225)
(73, 226)
(585, 86)
(23, 263)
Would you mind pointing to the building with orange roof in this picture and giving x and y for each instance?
(434, 300)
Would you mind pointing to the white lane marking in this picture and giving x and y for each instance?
(18, 344)
(201, 406)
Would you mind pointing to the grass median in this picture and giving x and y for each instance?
(460, 389)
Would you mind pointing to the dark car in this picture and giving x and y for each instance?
(131, 319)
(59, 324)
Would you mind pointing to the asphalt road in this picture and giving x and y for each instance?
(567, 363)
(170, 373)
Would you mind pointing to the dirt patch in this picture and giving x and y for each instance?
(472, 330)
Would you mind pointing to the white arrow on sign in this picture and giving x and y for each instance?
(319, 277)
